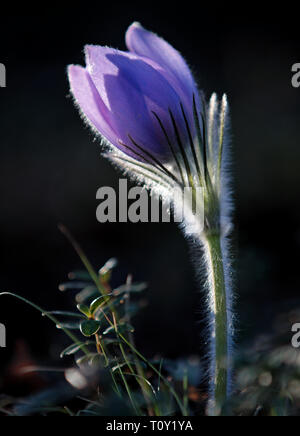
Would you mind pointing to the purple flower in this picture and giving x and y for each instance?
(163, 135)
(140, 101)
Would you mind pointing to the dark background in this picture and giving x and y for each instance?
(50, 170)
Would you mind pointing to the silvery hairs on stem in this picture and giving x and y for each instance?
(156, 127)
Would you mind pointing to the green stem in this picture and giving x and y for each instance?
(105, 353)
(84, 259)
(185, 392)
(219, 304)
(146, 390)
(149, 364)
(129, 393)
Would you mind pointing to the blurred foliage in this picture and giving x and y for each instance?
(110, 377)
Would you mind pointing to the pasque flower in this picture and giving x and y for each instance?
(157, 127)
(126, 95)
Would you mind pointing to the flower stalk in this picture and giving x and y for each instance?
(219, 339)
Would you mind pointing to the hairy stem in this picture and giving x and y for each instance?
(220, 334)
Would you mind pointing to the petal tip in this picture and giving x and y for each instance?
(71, 68)
(73, 71)
(87, 51)
(135, 25)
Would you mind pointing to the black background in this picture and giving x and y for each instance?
(50, 170)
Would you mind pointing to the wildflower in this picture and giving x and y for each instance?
(157, 127)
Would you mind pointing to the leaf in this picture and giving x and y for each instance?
(72, 285)
(121, 365)
(89, 327)
(84, 309)
(82, 360)
(132, 363)
(79, 275)
(93, 359)
(97, 303)
(114, 302)
(68, 325)
(74, 348)
(109, 266)
(121, 329)
(88, 293)
(62, 313)
(97, 360)
(133, 288)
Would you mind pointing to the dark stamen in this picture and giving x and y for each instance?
(156, 177)
(135, 152)
(156, 161)
(201, 139)
(170, 146)
(185, 159)
(149, 162)
(191, 142)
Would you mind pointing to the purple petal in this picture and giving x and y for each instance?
(89, 102)
(132, 90)
(145, 43)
